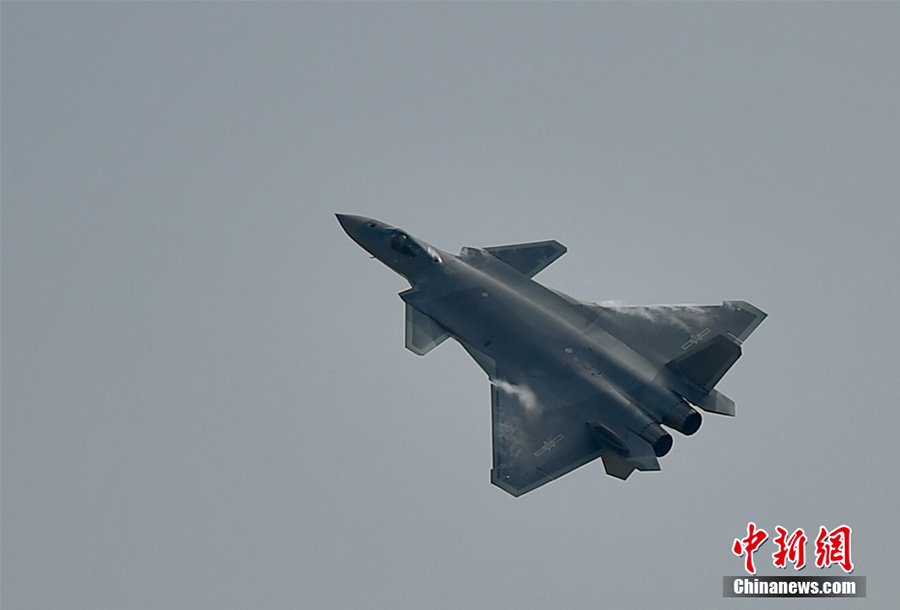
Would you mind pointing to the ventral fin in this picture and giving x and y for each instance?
(615, 465)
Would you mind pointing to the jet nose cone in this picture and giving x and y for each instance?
(350, 222)
(361, 229)
(353, 224)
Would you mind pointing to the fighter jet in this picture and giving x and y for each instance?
(571, 381)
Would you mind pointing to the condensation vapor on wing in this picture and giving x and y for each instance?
(663, 314)
(523, 393)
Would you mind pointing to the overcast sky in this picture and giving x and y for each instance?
(206, 401)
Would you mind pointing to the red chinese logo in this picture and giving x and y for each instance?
(748, 545)
(791, 549)
(834, 547)
(831, 547)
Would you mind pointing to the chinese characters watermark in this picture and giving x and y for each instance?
(831, 547)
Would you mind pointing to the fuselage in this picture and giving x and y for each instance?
(558, 346)
(486, 305)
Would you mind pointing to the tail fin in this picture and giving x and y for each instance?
(707, 362)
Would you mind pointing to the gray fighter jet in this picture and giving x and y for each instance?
(571, 381)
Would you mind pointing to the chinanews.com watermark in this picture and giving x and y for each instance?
(794, 586)
(831, 548)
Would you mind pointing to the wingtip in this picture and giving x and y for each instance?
(759, 314)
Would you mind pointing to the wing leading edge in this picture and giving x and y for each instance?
(537, 439)
(699, 343)
(662, 333)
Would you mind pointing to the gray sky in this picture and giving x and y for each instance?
(206, 402)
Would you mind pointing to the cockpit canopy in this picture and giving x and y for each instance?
(402, 243)
(405, 244)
